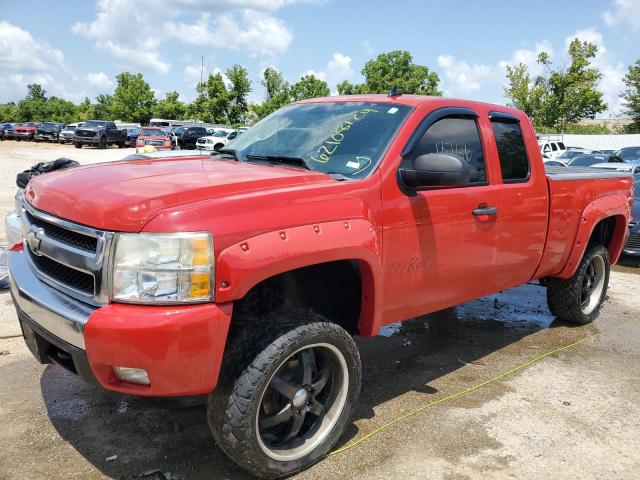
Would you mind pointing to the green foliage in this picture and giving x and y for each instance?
(390, 69)
(309, 87)
(212, 103)
(9, 112)
(240, 88)
(85, 111)
(60, 110)
(170, 107)
(631, 96)
(278, 93)
(562, 97)
(133, 100)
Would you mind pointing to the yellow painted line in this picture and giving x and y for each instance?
(475, 387)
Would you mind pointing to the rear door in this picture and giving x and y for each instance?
(523, 201)
(440, 245)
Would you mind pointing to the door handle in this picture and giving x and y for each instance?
(484, 210)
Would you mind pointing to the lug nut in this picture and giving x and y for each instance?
(244, 247)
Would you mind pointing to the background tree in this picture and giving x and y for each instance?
(133, 100)
(9, 112)
(240, 88)
(278, 92)
(60, 110)
(309, 87)
(170, 107)
(103, 108)
(631, 96)
(85, 111)
(394, 68)
(212, 103)
(564, 96)
(34, 105)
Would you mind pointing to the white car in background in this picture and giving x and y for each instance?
(216, 141)
(551, 149)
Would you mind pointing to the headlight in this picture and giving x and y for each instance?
(163, 268)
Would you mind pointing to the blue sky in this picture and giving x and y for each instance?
(75, 48)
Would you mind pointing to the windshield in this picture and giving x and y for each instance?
(631, 154)
(568, 154)
(94, 123)
(153, 131)
(347, 138)
(220, 133)
(585, 161)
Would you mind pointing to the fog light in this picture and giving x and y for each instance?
(132, 375)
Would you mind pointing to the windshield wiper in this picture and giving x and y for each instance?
(294, 161)
(235, 154)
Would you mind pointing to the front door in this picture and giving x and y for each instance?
(440, 246)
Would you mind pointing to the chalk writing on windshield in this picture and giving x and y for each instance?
(331, 144)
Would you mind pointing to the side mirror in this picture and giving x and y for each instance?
(435, 170)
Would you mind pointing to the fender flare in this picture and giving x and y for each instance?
(245, 264)
(612, 206)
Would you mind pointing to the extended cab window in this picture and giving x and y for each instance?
(455, 136)
(511, 150)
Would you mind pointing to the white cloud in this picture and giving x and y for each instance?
(258, 33)
(217, 5)
(19, 51)
(99, 80)
(529, 57)
(460, 78)
(129, 32)
(337, 70)
(366, 44)
(625, 12)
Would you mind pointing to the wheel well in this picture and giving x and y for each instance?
(609, 232)
(332, 289)
(603, 232)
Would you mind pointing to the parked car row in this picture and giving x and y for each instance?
(581, 157)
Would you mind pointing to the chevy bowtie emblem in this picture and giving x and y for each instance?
(34, 241)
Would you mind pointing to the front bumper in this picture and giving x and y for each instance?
(45, 136)
(95, 139)
(25, 134)
(180, 347)
(207, 147)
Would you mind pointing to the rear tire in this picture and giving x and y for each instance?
(288, 386)
(579, 299)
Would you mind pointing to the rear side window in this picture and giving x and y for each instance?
(455, 136)
(512, 152)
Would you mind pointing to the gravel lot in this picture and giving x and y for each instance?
(574, 414)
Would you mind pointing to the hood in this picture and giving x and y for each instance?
(153, 137)
(124, 196)
(23, 128)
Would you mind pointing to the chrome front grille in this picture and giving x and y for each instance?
(633, 242)
(68, 256)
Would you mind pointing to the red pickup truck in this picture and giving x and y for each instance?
(244, 275)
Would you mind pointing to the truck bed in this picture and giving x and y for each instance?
(582, 173)
(571, 190)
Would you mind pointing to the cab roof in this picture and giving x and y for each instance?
(409, 100)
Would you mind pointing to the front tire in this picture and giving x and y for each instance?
(579, 299)
(77, 144)
(103, 143)
(294, 394)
